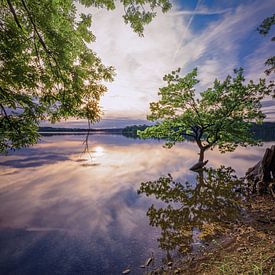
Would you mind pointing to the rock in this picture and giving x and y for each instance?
(241, 249)
(148, 261)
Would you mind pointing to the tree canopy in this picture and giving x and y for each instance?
(221, 116)
(47, 69)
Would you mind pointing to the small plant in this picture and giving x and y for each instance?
(225, 269)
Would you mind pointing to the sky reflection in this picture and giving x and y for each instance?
(88, 208)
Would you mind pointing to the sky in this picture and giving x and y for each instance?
(215, 36)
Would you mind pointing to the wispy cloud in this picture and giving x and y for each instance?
(169, 42)
(202, 11)
(217, 51)
(186, 28)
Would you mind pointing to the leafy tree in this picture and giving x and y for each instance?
(264, 29)
(221, 117)
(47, 70)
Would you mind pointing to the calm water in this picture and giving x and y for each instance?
(66, 212)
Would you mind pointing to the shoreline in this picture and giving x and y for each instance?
(247, 248)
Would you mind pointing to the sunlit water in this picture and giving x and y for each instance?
(68, 212)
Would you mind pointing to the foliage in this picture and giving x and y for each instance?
(264, 29)
(137, 12)
(208, 205)
(47, 69)
(222, 116)
(131, 131)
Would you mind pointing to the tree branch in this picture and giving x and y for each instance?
(35, 29)
(14, 14)
(4, 110)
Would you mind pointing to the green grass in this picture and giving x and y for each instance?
(231, 266)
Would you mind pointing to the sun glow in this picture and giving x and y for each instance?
(98, 151)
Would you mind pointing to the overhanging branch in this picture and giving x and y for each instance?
(14, 14)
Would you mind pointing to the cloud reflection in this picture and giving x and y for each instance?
(60, 196)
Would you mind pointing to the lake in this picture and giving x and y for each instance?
(64, 211)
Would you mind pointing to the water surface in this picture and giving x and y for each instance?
(64, 211)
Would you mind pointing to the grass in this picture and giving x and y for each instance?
(260, 268)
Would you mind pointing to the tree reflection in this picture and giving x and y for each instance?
(203, 208)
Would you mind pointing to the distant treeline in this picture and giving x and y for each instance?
(78, 130)
(131, 131)
(264, 132)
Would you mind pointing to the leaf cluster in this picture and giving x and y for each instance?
(137, 13)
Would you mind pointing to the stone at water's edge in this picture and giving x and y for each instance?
(262, 175)
(199, 165)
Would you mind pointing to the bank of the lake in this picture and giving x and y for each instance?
(247, 248)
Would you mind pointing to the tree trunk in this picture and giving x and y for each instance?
(201, 163)
(201, 158)
(262, 175)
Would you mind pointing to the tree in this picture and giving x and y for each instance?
(221, 117)
(264, 29)
(47, 69)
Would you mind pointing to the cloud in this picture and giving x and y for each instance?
(202, 11)
(222, 42)
(268, 103)
(268, 107)
(255, 62)
(169, 42)
(140, 62)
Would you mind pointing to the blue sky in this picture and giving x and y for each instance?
(214, 35)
